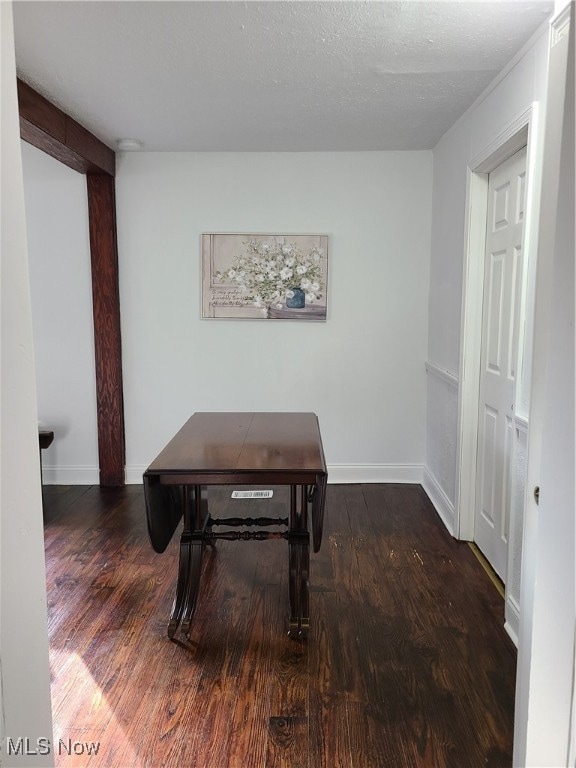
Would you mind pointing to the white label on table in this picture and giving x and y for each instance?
(252, 494)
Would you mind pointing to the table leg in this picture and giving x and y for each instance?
(299, 563)
(200, 501)
(318, 500)
(183, 567)
(195, 505)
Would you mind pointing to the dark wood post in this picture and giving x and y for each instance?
(45, 126)
(107, 340)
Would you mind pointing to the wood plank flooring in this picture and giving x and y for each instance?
(407, 663)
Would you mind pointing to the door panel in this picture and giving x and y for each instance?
(500, 333)
(489, 474)
(495, 288)
(515, 319)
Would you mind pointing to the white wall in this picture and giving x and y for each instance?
(546, 658)
(61, 290)
(546, 641)
(471, 137)
(362, 371)
(25, 680)
(476, 130)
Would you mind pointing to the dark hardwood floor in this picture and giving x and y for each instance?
(407, 663)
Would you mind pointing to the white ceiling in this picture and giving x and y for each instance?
(276, 76)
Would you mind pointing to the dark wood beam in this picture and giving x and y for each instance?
(107, 341)
(51, 130)
(46, 127)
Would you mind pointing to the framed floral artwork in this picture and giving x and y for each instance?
(268, 277)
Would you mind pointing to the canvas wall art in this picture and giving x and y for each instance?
(268, 277)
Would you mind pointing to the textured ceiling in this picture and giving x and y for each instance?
(277, 76)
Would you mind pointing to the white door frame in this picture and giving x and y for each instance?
(520, 132)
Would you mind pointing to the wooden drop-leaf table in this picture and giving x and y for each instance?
(237, 449)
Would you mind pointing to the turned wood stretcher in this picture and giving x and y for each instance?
(245, 449)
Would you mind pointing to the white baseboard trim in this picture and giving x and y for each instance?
(76, 475)
(512, 618)
(133, 474)
(511, 633)
(337, 473)
(441, 502)
(374, 473)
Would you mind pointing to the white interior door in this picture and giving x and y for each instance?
(503, 266)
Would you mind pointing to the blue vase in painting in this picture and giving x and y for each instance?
(297, 300)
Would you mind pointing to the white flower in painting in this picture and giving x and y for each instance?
(278, 306)
(267, 273)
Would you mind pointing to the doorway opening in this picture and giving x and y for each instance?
(499, 355)
(521, 133)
